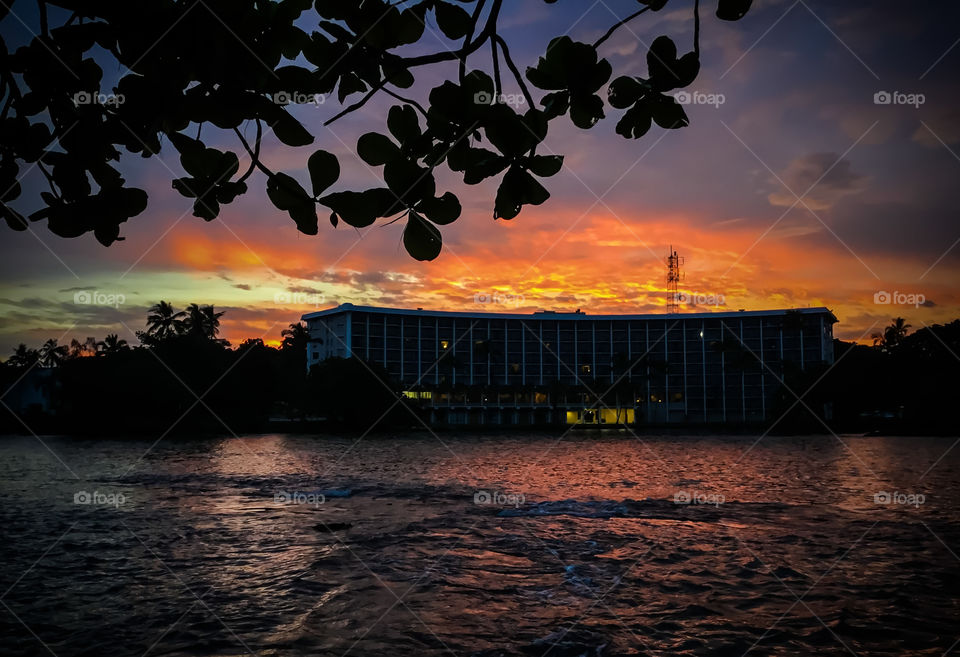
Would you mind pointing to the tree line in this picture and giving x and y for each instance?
(182, 377)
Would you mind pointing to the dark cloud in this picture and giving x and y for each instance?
(919, 232)
(821, 179)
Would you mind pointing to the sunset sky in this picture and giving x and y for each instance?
(798, 81)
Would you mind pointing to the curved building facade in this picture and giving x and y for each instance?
(574, 368)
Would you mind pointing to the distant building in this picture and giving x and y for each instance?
(573, 368)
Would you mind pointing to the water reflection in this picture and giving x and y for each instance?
(513, 545)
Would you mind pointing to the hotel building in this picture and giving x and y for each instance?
(574, 368)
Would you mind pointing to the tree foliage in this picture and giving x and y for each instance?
(192, 70)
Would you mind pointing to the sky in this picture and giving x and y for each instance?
(792, 187)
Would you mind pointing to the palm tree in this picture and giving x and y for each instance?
(163, 321)
(51, 354)
(83, 349)
(112, 344)
(202, 321)
(23, 357)
(295, 337)
(893, 334)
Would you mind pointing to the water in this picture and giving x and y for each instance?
(470, 545)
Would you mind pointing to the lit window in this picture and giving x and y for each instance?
(585, 369)
(444, 344)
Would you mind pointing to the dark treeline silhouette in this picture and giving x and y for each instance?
(182, 377)
(903, 383)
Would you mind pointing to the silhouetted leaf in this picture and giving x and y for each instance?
(350, 84)
(227, 192)
(187, 186)
(290, 131)
(421, 238)
(324, 171)
(624, 92)
(376, 149)
(453, 21)
(635, 123)
(443, 210)
(518, 188)
(666, 70)
(402, 123)
(545, 165)
(361, 209)
(667, 112)
(556, 104)
(107, 234)
(585, 111)
(288, 195)
(408, 180)
(13, 218)
(655, 5)
(733, 10)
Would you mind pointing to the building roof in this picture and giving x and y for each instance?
(547, 314)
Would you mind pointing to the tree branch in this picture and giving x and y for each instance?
(513, 69)
(696, 27)
(498, 85)
(469, 36)
(360, 103)
(617, 25)
(409, 101)
(254, 157)
(489, 29)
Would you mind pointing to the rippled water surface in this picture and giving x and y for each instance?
(470, 545)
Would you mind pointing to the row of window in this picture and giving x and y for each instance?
(535, 351)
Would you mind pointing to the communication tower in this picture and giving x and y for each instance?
(674, 276)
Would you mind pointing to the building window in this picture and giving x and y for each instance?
(444, 344)
(585, 368)
(515, 368)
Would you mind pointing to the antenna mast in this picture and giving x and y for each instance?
(674, 276)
